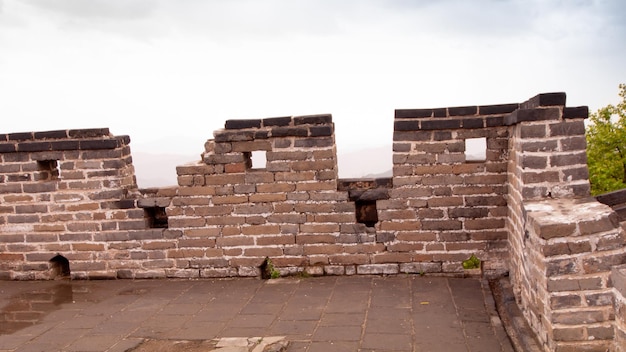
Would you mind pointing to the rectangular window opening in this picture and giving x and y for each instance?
(259, 159)
(476, 149)
(366, 212)
(157, 217)
(49, 170)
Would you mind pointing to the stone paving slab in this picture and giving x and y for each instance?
(350, 313)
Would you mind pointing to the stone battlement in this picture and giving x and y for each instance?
(70, 206)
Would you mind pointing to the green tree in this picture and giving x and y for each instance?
(606, 147)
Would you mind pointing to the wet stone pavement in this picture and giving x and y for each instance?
(354, 313)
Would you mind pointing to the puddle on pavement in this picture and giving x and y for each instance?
(30, 307)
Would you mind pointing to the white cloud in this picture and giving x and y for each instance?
(160, 69)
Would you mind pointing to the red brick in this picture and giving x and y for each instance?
(158, 245)
(287, 218)
(82, 207)
(267, 197)
(319, 228)
(88, 246)
(234, 199)
(202, 232)
(49, 227)
(445, 202)
(226, 220)
(11, 257)
(349, 259)
(316, 186)
(231, 231)
(397, 214)
(275, 240)
(405, 247)
(442, 225)
(217, 210)
(186, 222)
(185, 253)
(275, 187)
(313, 165)
(232, 241)
(283, 207)
(315, 239)
(295, 176)
(220, 180)
(365, 248)
(253, 209)
(247, 262)
(336, 218)
(235, 167)
(261, 230)
(400, 225)
(466, 246)
(391, 258)
(194, 191)
(482, 224)
(322, 249)
(417, 236)
(286, 262)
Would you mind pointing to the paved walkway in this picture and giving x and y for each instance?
(355, 313)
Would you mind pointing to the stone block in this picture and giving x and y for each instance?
(321, 131)
(277, 121)
(313, 119)
(242, 124)
(377, 269)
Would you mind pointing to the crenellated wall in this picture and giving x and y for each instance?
(70, 206)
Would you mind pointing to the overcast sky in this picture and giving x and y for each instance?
(168, 73)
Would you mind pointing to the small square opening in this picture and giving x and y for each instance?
(259, 159)
(476, 149)
(48, 170)
(366, 212)
(156, 216)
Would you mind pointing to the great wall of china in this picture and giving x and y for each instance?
(70, 206)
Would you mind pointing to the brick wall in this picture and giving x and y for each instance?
(618, 277)
(562, 242)
(522, 206)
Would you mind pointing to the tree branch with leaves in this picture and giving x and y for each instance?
(606, 147)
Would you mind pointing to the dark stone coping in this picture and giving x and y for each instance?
(287, 121)
(56, 134)
(366, 189)
(613, 198)
(461, 111)
(151, 202)
(346, 184)
(545, 99)
(578, 112)
(453, 123)
(298, 130)
(522, 115)
(57, 144)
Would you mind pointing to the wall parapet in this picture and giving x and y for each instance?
(70, 205)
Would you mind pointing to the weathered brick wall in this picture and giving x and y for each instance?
(523, 207)
(448, 207)
(618, 277)
(562, 242)
(60, 192)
